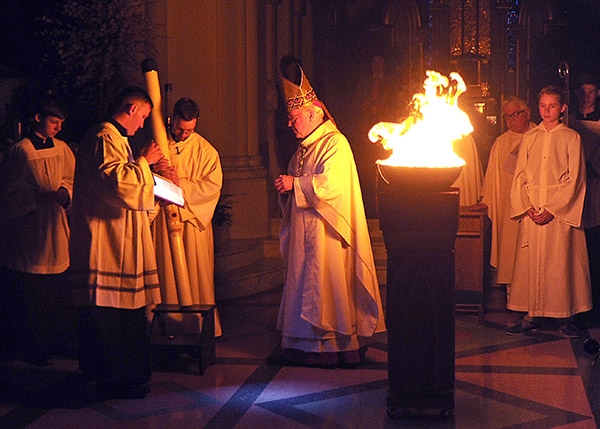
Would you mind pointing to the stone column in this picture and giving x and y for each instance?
(208, 51)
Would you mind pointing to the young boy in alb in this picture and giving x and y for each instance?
(551, 273)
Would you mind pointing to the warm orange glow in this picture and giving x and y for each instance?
(424, 139)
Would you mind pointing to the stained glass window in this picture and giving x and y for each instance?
(470, 27)
(512, 19)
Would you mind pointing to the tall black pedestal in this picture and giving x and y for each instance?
(419, 227)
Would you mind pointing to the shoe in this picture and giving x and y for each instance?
(281, 360)
(569, 330)
(136, 392)
(123, 392)
(523, 328)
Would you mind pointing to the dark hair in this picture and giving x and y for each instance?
(553, 90)
(186, 109)
(586, 79)
(50, 105)
(130, 95)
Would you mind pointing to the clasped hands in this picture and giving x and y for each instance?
(541, 217)
(60, 197)
(160, 163)
(165, 169)
(284, 183)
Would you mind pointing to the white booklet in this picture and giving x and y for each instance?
(167, 190)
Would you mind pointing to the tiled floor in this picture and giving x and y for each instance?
(540, 380)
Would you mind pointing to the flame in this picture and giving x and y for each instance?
(424, 138)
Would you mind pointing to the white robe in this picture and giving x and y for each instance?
(496, 195)
(471, 177)
(551, 274)
(199, 170)
(331, 300)
(112, 254)
(35, 225)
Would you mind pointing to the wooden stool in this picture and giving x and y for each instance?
(205, 340)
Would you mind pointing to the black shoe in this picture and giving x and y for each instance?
(523, 328)
(569, 330)
(280, 360)
(136, 392)
(123, 392)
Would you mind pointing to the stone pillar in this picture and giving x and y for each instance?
(246, 178)
(207, 51)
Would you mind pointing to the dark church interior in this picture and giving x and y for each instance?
(501, 48)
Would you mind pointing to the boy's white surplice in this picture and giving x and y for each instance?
(551, 274)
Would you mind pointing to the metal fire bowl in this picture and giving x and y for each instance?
(427, 178)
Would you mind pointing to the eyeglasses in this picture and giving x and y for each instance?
(514, 115)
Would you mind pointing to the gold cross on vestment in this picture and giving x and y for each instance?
(301, 160)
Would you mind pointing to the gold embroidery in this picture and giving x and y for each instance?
(301, 160)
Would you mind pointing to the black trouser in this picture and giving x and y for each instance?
(35, 313)
(114, 347)
(592, 236)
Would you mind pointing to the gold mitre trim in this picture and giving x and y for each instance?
(297, 96)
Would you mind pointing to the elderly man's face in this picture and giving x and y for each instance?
(299, 120)
(517, 118)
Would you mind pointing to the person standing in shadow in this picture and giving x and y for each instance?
(37, 185)
(586, 121)
(114, 270)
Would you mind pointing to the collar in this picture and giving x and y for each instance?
(177, 147)
(41, 143)
(309, 140)
(543, 127)
(591, 116)
(122, 130)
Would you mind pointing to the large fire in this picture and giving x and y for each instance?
(424, 138)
